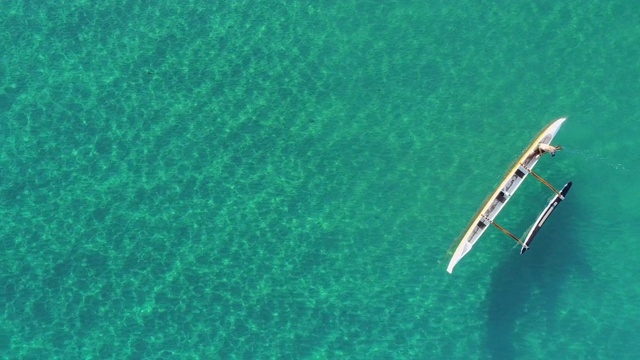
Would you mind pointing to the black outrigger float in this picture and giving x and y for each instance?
(544, 216)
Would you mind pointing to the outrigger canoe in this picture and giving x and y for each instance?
(511, 182)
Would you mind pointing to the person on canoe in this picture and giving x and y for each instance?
(543, 148)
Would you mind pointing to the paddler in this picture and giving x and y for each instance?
(543, 148)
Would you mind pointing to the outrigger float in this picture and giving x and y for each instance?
(511, 182)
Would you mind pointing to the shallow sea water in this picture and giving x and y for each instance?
(281, 180)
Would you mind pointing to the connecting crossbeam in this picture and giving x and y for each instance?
(542, 180)
(506, 231)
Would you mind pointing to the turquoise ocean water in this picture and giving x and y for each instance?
(282, 180)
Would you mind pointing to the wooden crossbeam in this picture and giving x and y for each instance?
(506, 232)
(542, 181)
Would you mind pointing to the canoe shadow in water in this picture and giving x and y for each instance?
(533, 281)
